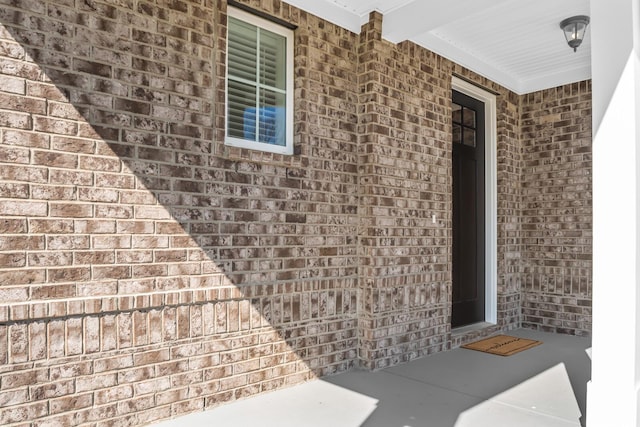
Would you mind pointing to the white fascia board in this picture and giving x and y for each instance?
(557, 79)
(459, 56)
(410, 20)
(330, 12)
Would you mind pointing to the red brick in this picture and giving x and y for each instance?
(69, 177)
(23, 104)
(53, 389)
(18, 343)
(152, 386)
(187, 406)
(24, 173)
(4, 349)
(23, 208)
(113, 394)
(150, 242)
(138, 198)
(12, 260)
(73, 145)
(15, 120)
(96, 382)
(17, 155)
(25, 139)
(14, 397)
(22, 69)
(70, 403)
(55, 338)
(69, 242)
(116, 212)
(125, 331)
(13, 226)
(70, 210)
(135, 227)
(74, 339)
(40, 259)
(114, 363)
(175, 255)
(37, 341)
(171, 396)
(15, 380)
(12, 85)
(95, 226)
(45, 90)
(56, 126)
(20, 312)
(20, 242)
(22, 277)
(49, 291)
(64, 110)
(109, 332)
(154, 414)
(50, 192)
(109, 180)
(24, 413)
(233, 382)
(98, 195)
(55, 159)
(50, 226)
(112, 242)
(111, 272)
(68, 274)
(103, 164)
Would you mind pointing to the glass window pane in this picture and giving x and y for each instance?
(241, 113)
(273, 60)
(457, 113)
(243, 52)
(258, 88)
(272, 117)
(469, 137)
(457, 134)
(469, 118)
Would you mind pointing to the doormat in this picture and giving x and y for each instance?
(502, 345)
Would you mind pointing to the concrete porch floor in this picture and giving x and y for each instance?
(541, 387)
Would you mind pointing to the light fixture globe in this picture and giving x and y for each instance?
(574, 29)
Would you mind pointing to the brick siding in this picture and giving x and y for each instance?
(404, 168)
(557, 209)
(147, 270)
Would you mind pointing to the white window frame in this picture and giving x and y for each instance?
(289, 36)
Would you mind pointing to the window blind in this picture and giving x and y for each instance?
(256, 86)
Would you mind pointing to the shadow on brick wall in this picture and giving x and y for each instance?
(146, 270)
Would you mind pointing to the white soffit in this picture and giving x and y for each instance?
(516, 43)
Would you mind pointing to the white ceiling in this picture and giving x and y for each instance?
(517, 43)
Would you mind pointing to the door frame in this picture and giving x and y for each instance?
(490, 191)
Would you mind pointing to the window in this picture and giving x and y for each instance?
(259, 84)
(464, 125)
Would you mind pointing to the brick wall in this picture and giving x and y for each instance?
(147, 270)
(404, 173)
(557, 209)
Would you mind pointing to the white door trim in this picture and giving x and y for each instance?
(491, 194)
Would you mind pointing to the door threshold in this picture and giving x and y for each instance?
(468, 333)
(460, 330)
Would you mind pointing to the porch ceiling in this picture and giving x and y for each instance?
(517, 43)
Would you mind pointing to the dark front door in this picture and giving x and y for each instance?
(468, 211)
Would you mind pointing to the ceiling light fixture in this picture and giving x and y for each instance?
(574, 29)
